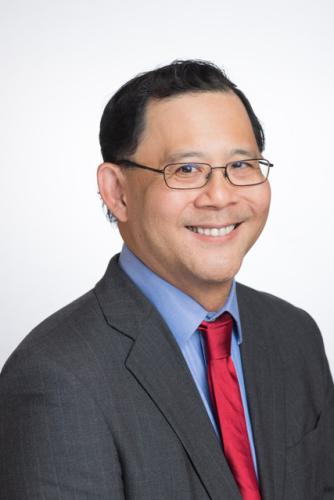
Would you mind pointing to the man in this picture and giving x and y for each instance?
(169, 380)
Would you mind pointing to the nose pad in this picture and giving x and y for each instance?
(224, 172)
(210, 176)
(218, 191)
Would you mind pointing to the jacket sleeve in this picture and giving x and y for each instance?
(54, 441)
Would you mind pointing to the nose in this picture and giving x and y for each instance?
(218, 191)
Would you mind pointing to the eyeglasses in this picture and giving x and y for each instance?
(193, 175)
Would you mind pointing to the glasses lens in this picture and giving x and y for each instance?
(186, 175)
(248, 172)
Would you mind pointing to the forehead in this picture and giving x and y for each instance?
(207, 121)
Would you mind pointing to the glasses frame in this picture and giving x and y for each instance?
(130, 163)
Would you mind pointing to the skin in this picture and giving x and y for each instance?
(212, 127)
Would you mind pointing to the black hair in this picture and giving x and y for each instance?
(123, 119)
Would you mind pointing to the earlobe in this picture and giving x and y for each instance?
(111, 183)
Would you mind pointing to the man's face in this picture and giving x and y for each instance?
(210, 127)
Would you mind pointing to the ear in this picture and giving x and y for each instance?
(111, 182)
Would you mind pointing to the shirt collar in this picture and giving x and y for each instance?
(181, 312)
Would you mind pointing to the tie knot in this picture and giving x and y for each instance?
(217, 335)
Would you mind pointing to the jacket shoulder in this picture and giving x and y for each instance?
(289, 328)
(271, 306)
(63, 331)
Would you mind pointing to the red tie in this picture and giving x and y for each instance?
(226, 399)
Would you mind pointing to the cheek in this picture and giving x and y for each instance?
(267, 195)
(259, 201)
(167, 207)
(139, 202)
(266, 203)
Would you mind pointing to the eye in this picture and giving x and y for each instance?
(187, 168)
(239, 165)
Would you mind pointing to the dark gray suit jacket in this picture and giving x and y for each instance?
(98, 403)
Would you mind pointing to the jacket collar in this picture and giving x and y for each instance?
(263, 370)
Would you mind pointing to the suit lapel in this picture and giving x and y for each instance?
(157, 363)
(160, 368)
(265, 392)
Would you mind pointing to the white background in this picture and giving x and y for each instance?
(60, 63)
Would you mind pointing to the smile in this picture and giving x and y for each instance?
(212, 231)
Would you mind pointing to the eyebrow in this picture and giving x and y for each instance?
(181, 155)
(243, 152)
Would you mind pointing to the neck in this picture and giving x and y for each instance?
(210, 294)
(212, 298)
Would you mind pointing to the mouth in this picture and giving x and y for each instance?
(213, 231)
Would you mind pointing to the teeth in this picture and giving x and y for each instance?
(214, 231)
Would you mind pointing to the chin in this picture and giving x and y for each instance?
(218, 275)
(224, 268)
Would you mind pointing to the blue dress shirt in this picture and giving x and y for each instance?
(183, 315)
